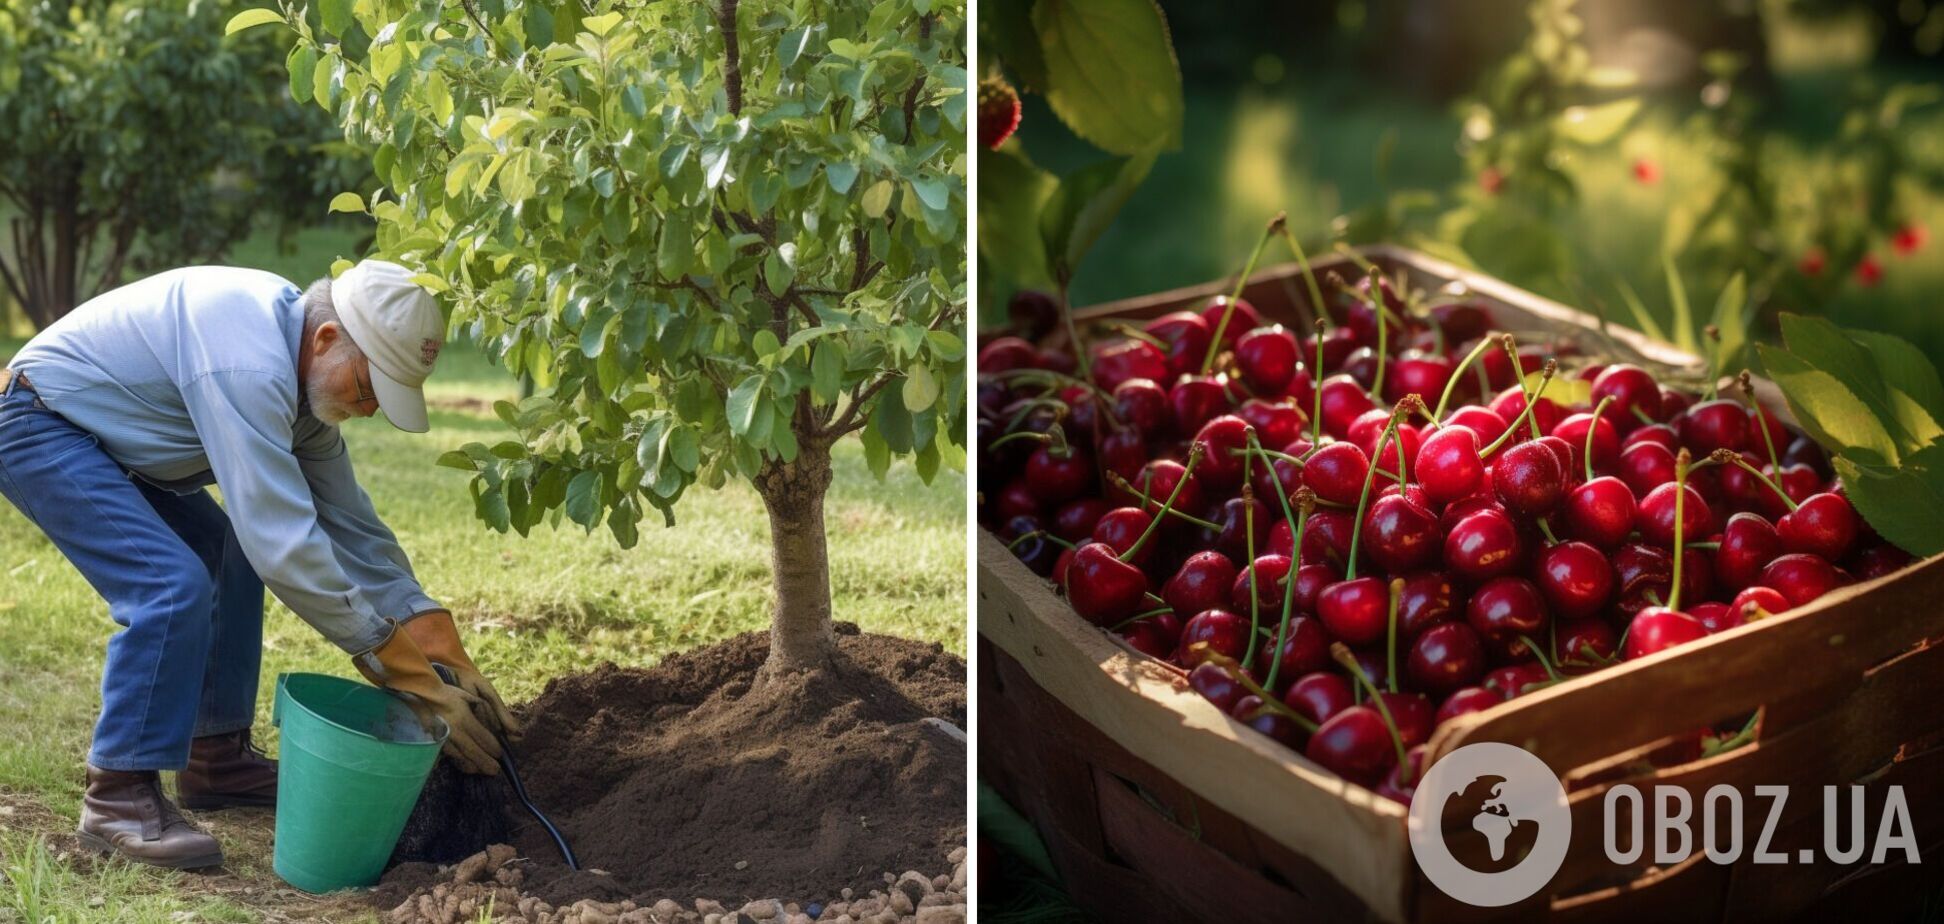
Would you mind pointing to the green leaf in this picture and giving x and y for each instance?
(302, 65)
(1593, 125)
(1111, 74)
(1683, 322)
(893, 423)
(932, 192)
(1904, 369)
(599, 25)
(743, 404)
(827, 371)
(347, 202)
(336, 15)
(249, 19)
(685, 447)
(877, 199)
(459, 460)
(1730, 322)
(584, 499)
(1828, 348)
(1012, 193)
(841, 175)
(1906, 504)
(490, 505)
(1013, 39)
(765, 343)
(676, 249)
(920, 389)
(877, 454)
(1826, 408)
(1084, 205)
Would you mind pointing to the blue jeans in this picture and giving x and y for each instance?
(190, 605)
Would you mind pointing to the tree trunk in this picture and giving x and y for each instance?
(793, 493)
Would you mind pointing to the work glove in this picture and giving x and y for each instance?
(436, 635)
(397, 664)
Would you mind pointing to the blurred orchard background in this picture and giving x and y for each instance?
(1564, 146)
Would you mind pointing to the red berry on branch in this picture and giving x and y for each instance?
(1812, 261)
(998, 112)
(1646, 171)
(1909, 239)
(1869, 271)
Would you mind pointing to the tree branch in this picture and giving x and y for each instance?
(732, 56)
(850, 420)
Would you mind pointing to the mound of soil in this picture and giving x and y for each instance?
(695, 780)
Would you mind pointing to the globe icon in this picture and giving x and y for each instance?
(1509, 837)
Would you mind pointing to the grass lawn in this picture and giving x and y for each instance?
(534, 608)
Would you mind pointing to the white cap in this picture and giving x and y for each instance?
(398, 326)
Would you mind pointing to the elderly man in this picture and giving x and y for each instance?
(114, 420)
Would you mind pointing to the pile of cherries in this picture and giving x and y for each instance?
(1350, 537)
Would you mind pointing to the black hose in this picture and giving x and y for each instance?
(519, 788)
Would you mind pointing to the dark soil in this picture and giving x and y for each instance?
(694, 780)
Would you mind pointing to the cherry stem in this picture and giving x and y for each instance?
(1592, 427)
(1283, 456)
(1681, 463)
(1397, 440)
(1710, 546)
(1028, 407)
(1370, 478)
(1641, 415)
(1137, 617)
(1376, 297)
(1729, 455)
(1545, 529)
(1302, 261)
(1248, 544)
(1451, 385)
(1123, 484)
(1228, 311)
(1341, 654)
(1073, 333)
(1305, 502)
(1019, 435)
(1138, 334)
(1316, 419)
(1532, 401)
(1390, 634)
(1202, 653)
(1038, 534)
(1540, 656)
(1747, 382)
(1194, 458)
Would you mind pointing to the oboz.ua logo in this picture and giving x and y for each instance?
(1514, 801)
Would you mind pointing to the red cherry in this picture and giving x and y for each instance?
(1646, 171)
(1075, 521)
(1652, 433)
(1120, 528)
(1448, 465)
(1600, 512)
(1226, 633)
(1236, 516)
(1646, 466)
(1143, 405)
(1480, 420)
(1748, 544)
(1467, 701)
(1799, 577)
(1123, 452)
(1336, 472)
(1714, 617)
(1869, 271)
(1268, 359)
(1712, 425)
(1606, 441)
(1158, 479)
(1016, 499)
(1306, 648)
(1343, 402)
(1004, 354)
(1197, 399)
(1217, 684)
(1355, 611)
(1114, 363)
(1511, 403)
(1658, 628)
(1824, 524)
(1575, 579)
(1879, 560)
(1103, 589)
(1529, 479)
(1483, 545)
(1656, 518)
(1185, 335)
(1277, 423)
(1243, 318)
(1289, 473)
(1583, 644)
(1631, 389)
(1445, 657)
(1318, 696)
(1763, 599)
(1151, 638)
(1503, 609)
(1416, 373)
(1355, 744)
(1413, 714)
(1203, 582)
(1424, 601)
(1268, 590)
(1400, 534)
(1367, 429)
(1394, 787)
(1909, 239)
(1515, 680)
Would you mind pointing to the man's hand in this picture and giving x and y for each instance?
(438, 637)
(399, 665)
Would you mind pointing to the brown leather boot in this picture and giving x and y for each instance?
(126, 813)
(226, 771)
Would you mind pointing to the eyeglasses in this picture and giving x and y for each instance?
(363, 377)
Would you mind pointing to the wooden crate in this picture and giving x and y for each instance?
(1157, 806)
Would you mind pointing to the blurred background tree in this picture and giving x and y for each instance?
(1577, 149)
(136, 138)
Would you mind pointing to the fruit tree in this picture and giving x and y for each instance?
(718, 236)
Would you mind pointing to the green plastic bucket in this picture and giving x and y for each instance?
(352, 761)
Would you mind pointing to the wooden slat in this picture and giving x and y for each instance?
(1351, 833)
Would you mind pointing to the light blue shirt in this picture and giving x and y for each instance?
(189, 378)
